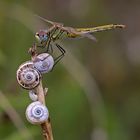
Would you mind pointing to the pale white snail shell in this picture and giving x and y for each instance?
(44, 63)
(37, 113)
(33, 95)
(27, 76)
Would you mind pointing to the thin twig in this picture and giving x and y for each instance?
(46, 127)
(47, 130)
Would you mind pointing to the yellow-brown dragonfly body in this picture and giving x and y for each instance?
(57, 31)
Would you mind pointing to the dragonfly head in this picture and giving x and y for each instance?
(41, 37)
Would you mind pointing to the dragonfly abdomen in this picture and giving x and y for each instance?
(100, 28)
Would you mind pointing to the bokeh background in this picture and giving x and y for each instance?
(94, 92)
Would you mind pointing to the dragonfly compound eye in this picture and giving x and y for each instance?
(41, 35)
(44, 37)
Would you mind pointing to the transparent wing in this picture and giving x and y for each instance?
(48, 21)
(89, 36)
(74, 33)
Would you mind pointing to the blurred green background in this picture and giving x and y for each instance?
(94, 93)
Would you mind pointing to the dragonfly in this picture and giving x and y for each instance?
(57, 31)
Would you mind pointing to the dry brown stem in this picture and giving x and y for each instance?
(46, 127)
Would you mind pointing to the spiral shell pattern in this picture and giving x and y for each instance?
(37, 113)
(27, 76)
(44, 63)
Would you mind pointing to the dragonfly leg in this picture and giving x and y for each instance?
(61, 55)
(48, 43)
(33, 50)
(50, 35)
(49, 49)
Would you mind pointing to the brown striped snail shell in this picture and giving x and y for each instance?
(44, 63)
(27, 76)
(37, 113)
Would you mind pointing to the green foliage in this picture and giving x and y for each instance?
(112, 63)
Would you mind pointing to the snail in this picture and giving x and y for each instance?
(44, 63)
(27, 76)
(33, 95)
(37, 113)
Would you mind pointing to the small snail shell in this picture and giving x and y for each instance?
(33, 95)
(37, 113)
(44, 63)
(27, 76)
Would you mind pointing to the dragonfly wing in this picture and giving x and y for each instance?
(89, 36)
(50, 22)
(74, 33)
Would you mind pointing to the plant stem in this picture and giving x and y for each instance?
(46, 127)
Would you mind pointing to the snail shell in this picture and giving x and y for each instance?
(27, 76)
(33, 95)
(44, 63)
(37, 113)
